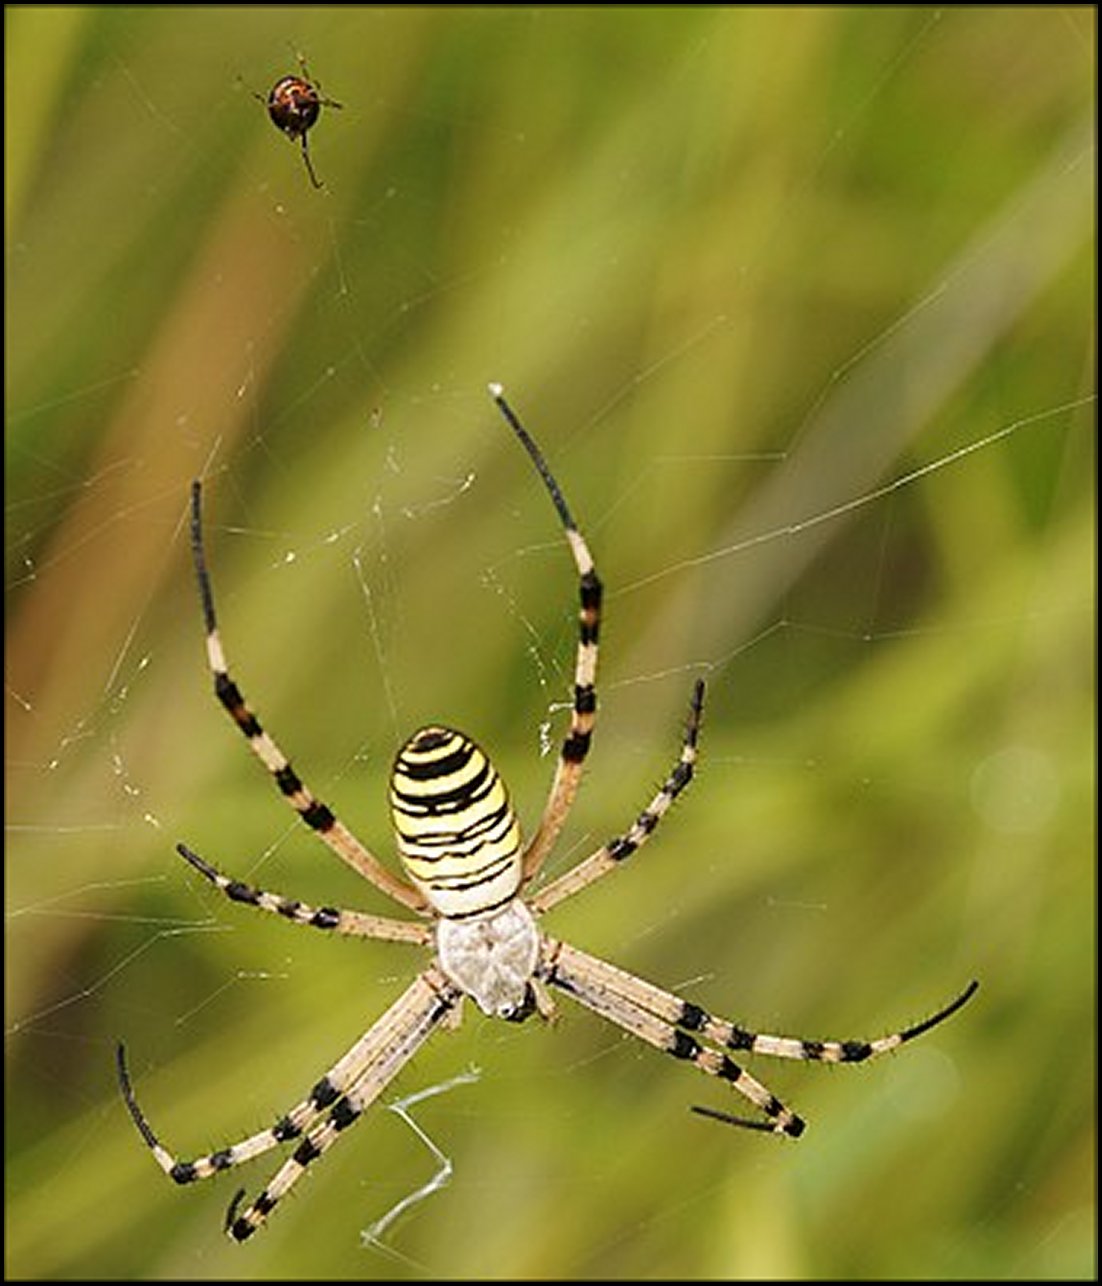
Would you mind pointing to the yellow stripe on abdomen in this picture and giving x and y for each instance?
(457, 833)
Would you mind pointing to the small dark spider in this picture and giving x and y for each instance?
(294, 104)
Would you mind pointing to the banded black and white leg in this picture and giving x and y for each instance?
(354, 924)
(575, 747)
(394, 1039)
(617, 850)
(334, 1103)
(689, 1032)
(316, 815)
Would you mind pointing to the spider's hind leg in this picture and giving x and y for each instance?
(575, 747)
(618, 850)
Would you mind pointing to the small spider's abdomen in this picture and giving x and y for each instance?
(458, 836)
(293, 105)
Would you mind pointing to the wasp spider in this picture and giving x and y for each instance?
(461, 847)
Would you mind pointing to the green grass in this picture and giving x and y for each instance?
(799, 303)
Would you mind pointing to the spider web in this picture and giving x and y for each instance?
(813, 365)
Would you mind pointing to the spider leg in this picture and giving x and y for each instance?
(820, 1051)
(666, 1020)
(575, 747)
(823, 1051)
(328, 1091)
(309, 164)
(313, 82)
(354, 924)
(623, 1000)
(388, 1046)
(609, 855)
(289, 1126)
(313, 812)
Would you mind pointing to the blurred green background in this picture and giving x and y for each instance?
(800, 304)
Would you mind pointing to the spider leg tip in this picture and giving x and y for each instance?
(964, 997)
(193, 859)
(762, 1127)
(231, 1211)
(496, 390)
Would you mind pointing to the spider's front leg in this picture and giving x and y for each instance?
(688, 1032)
(388, 1046)
(334, 1103)
(627, 1001)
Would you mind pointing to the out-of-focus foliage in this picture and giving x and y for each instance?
(799, 302)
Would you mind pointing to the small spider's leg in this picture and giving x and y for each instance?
(609, 855)
(354, 924)
(312, 81)
(313, 812)
(391, 1043)
(584, 977)
(260, 98)
(575, 747)
(300, 57)
(309, 165)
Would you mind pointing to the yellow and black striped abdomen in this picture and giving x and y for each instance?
(457, 833)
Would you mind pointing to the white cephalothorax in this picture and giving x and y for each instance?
(492, 959)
